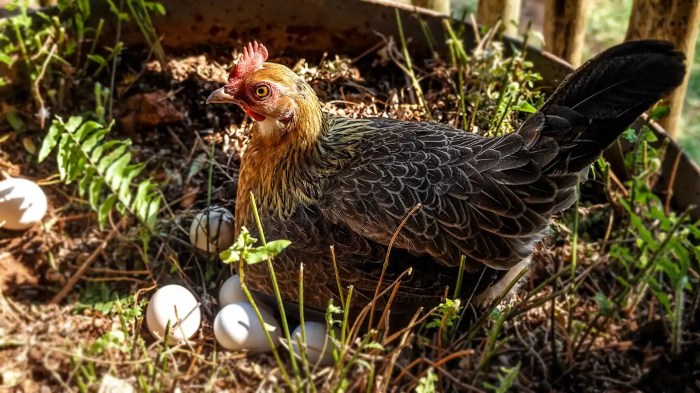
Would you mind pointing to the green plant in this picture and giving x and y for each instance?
(40, 49)
(665, 248)
(506, 379)
(496, 86)
(446, 316)
(243, 251)
(87, 374)
(408, 69)
(97, 166)
(98, 297)
(427, 383)
(140, 10)
(47, 51)
(658, 248)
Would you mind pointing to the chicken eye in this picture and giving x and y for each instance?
(262, 91)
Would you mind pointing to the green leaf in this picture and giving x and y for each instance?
(644, 234)
(630, 135)
(506, 379)
(92, 140)
(76, 168)
(256, 255)
(95, 190)
(14, 120)
(97, 153)
(129, 173)
(526, 107)
(373, 345)
(649, 135)
(147, 203)
(51, 139)
(86, 129)
(114, 174)
(82, 154)
(229, 256)
(73, 123)
(62, 156)
(159, 8)
(114, 155)
(659, 112)
(199, 163)
(333, 309)
(153, 209)
(141, 202)
(244, 240)
(263, 253)
(5, 58)
(427, 383)
(85, 181)
(104, 209)
(122, 208)
(101, 61)
(605, 305)
(242, 248)
(275, 247)
(115, 10)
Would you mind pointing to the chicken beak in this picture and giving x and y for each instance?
(219, 96)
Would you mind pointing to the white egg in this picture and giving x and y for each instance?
(22, 204)
(319, 346)
(232, 292)
(162, 308)
(212, 229)
(237, 326)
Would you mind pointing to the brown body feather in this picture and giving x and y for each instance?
(322, 180)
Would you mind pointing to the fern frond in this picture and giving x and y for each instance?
(100, 168)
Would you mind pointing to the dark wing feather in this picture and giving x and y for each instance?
(490, 199)
(471, 190)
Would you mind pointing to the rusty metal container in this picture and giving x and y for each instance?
(311, 27)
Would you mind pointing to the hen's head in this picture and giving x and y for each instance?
(271, 94)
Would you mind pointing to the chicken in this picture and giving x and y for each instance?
(322, 180)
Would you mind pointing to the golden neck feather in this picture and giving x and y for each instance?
(273, 171)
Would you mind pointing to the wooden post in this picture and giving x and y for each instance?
(442, 6)
(565, 28)
(671, 20)
(507, 11)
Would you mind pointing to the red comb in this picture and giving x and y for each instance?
(254, 55)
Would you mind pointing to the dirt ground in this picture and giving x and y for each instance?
(73, 345)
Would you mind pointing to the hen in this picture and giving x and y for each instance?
(322, 180)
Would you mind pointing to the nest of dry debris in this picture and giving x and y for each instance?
(95, 336)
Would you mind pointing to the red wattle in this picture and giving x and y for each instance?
(254, 115)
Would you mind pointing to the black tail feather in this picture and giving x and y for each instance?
(599, 100)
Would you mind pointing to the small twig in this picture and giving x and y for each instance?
(386, 259)
(383, 320)
(112, 279)
(268, 337)
(671, 183)
(374, 48)
(341, 294)
(114, 61)
(619, 184)
(409, 66)
(275, 287)
(35, 87)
